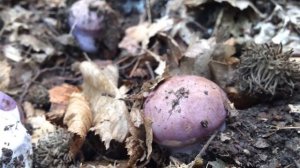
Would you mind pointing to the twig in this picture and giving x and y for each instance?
(122, 59)
(148, 6)
(129, 64)
(199, 156)
(218, 22)
(135, 67)
(87, 57)
(286, 128)
(150, 69)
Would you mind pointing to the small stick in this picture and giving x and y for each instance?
(150, 69)
(199, 156)
(148, 6)
(134, 67)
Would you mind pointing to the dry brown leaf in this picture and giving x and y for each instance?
(135, 148)
(36, 44)
(59, 98)
(222, 73)
(110, 114)
(78, 116)
(4, 74)
(196, 59)
(175, 52)
(139, 144)
(149, 136)
(78, 119)
(137, 37)
(61, 94)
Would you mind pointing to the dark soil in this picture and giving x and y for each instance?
(259, 137)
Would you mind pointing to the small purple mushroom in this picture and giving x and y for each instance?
(185, 110)
(15, 142)
(6, 102)
(86, 23)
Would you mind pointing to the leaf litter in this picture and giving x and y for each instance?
(96, 107)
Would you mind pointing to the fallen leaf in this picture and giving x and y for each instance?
(110, 114)
(135, 148)
(196, 59)
(59, 99)
(137, 37)
(61, 94)
(4, 75)
(12, 53)
(175, 53)
(36, 44)
(78, 119)
(78, 116)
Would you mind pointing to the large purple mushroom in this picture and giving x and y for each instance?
(185, 110)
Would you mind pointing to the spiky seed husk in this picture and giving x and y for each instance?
(267, 70)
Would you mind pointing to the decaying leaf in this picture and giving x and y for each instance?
(175, 50)
(110, 114)
(36, 44)
(4, 75)
(135, 149)
(139, 144)
(78, 116)
(137, 37)
(59, 98)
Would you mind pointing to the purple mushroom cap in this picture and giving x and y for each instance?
(6, 102)
(185, 110)
(85, 22)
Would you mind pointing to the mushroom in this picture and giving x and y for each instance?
(86, 23)
(185, 110)
(15, 142)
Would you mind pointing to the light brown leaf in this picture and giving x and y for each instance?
(59, 98)
(61, 94)
(110, 114)
(135, 148)
(4, 75)
(137, 37)
(78, 116)
(36, 44)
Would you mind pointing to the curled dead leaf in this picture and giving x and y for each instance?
(110, 114)
(59, 98)
(78, 116)
(135, 148)
(137, 37)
